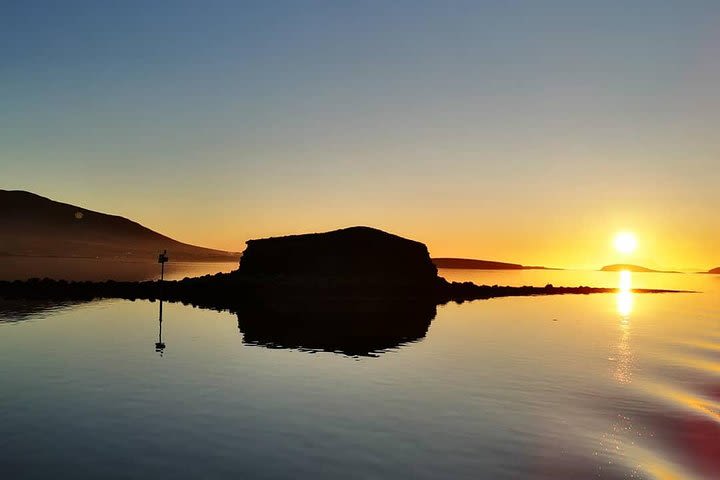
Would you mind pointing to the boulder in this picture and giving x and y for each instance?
(347, 257)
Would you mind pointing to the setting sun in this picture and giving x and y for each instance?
(625, 242)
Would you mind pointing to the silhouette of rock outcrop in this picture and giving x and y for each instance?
(356, 262)
(358, 252)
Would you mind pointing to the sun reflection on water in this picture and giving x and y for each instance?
(614, 442)
(624, 303)
(625, 296)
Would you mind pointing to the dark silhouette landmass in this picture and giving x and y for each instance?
(31, 225)
(348, 252)
(714, 270)
(352, 261)
(358, 265)
(358, 290)
(631, 268)
(229, 291)
(473, 264)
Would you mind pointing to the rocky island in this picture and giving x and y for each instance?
(619, 267)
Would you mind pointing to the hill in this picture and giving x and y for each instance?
(472, 264)
(31, 225)
(714, 270)
(631, 268)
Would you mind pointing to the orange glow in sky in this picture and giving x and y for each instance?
(454, 127)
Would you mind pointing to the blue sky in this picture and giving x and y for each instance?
(215, 122)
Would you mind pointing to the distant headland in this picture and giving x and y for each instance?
(714, 270)
(618, 267)
(473, 264)
(35, 226)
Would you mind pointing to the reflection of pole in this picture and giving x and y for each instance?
(160, 321)
(162, 259)
(160, 346)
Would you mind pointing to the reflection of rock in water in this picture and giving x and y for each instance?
(352, 328)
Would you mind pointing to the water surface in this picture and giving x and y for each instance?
(96, 269)
(598, 386)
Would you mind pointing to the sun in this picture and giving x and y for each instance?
(625, 242)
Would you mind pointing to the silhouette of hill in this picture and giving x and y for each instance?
(631, 268)
(31, 225)
(472, 264)
(714, 270)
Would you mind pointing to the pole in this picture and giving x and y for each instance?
(162, 258)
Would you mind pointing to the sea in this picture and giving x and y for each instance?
(602, 386)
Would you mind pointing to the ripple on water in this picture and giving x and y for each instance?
(668, 394)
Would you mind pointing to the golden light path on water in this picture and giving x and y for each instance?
(633, 444)
(625, 295)
(623, 372)
(616, 440)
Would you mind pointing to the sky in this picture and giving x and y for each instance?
(527, 132)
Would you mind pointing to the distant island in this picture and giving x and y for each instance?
(714, 270)
(618, 267)
(473, 264)
(35, 226)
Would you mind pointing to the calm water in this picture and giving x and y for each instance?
(602, 386)
(23, 268)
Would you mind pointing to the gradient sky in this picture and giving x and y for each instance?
(516, 131)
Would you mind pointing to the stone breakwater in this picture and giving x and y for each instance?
(229, 290)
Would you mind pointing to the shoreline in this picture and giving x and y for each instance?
(231, 291)
(142, 260)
